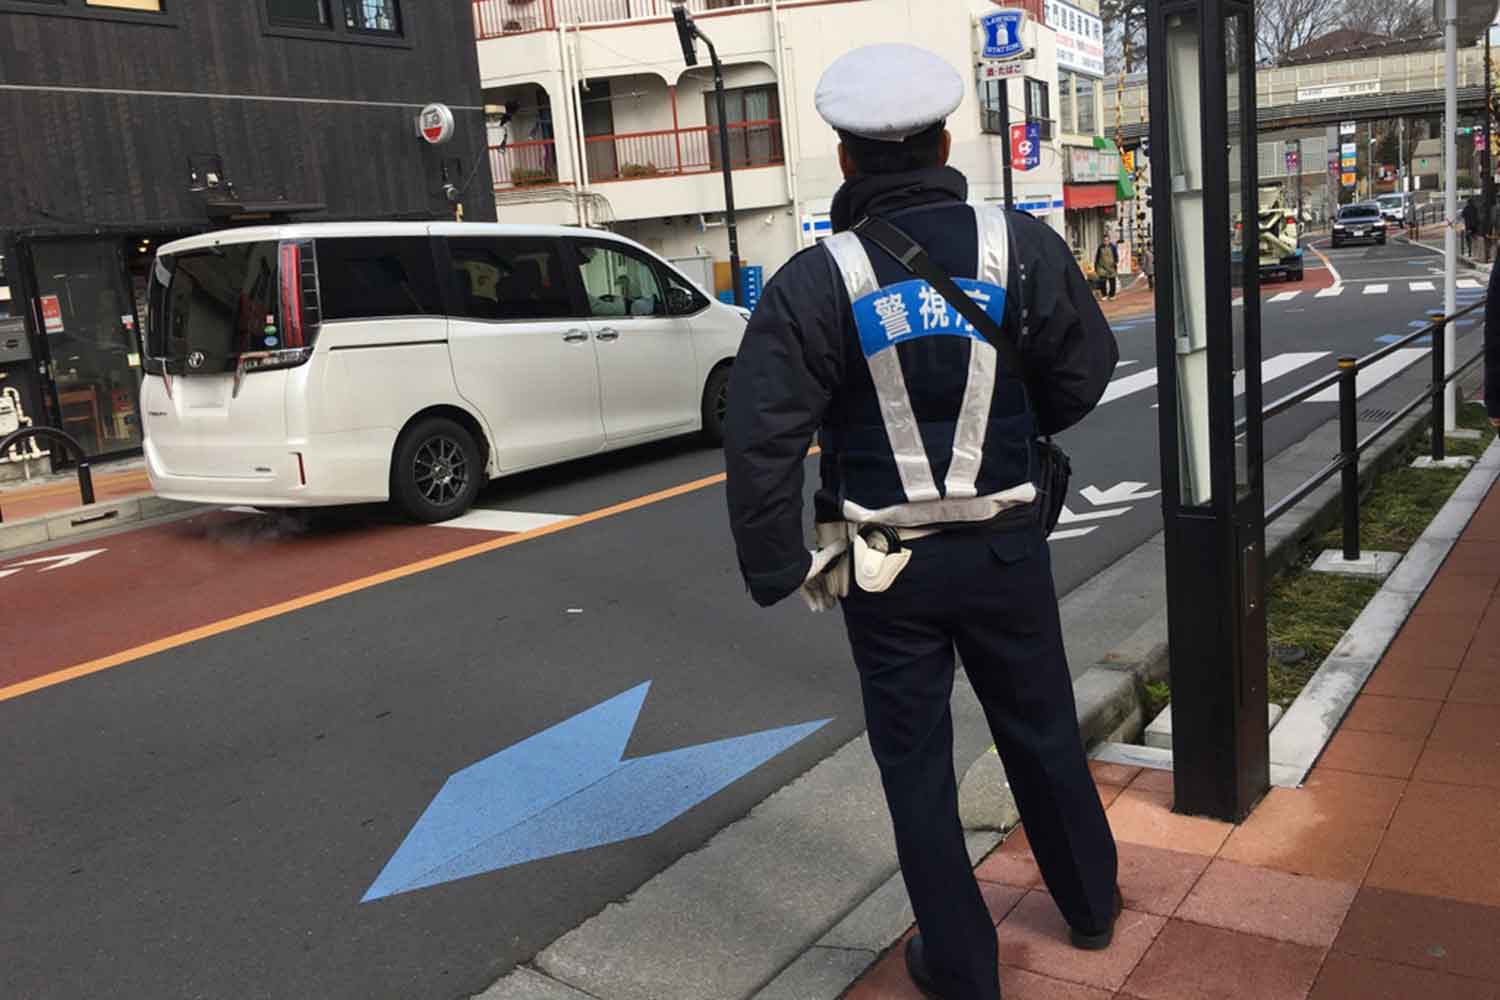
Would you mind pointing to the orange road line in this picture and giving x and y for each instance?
(386, 576)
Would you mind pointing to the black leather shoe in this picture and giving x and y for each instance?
(916, 967)
(1099, 940)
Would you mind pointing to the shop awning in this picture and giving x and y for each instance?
(1080, 196)
(1126, 184)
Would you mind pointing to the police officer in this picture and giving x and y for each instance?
(927, 520)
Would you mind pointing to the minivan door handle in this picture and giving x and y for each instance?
(575, 337)
(607, 334)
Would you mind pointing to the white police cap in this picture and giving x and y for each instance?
(888, 92)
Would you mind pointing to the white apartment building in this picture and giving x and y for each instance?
(610, 128)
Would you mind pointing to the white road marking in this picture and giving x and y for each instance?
(1377, 289)
(1126, 364)
(56, 562)
(1284, 296)
(1423, 286)
(1126, 492)
(1331, 293)
(1468, 283)
(1060, 536)
(1130, 384)
(1239, 301)
(1281, 364)
(1376, 375)
(503, 520)
(1068, 517)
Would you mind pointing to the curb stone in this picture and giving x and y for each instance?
(78, 522)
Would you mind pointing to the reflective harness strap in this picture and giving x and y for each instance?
(890, 383)
(979, 392)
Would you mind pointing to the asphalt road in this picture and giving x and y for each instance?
(204, 818)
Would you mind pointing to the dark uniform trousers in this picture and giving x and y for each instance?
(991, 597)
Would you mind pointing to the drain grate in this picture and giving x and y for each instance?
(1373, 416)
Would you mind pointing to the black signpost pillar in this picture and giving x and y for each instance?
(688, 34)
(1203, 171)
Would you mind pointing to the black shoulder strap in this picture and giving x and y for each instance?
(910, 255)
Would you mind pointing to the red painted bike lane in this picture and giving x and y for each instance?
(81, 604)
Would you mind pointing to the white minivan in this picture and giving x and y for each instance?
(325, 364)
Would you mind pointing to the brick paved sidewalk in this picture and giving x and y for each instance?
(57, 493)
(1378, 880)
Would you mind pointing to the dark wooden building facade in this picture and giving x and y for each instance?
(125, 123)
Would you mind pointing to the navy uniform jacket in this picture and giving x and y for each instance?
(793, 364)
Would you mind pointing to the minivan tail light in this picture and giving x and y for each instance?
(292, 333)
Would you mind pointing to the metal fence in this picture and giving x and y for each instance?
(1351, 445)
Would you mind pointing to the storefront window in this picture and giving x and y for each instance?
(89, 321)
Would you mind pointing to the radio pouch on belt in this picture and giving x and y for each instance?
(1053, 468)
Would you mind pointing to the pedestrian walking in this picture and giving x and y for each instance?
(1471, 216)
(929, 524)
(1107, 267)
(1148, 265)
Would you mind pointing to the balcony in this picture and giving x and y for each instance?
(499, 18)
(524, 164)
(642, 155)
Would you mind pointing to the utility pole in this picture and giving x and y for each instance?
(1007, 181)
(687, 31)
(1450, 201)
(1489, 170)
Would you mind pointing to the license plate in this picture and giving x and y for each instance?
(1359, 232)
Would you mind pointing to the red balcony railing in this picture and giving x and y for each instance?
(524, 164)
(673, 152)
(497, 18)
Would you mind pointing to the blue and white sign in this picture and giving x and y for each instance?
(913, 309)
(1002, 34)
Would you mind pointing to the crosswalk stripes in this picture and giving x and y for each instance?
(1377, 289)
(1285, 296)
(1376, 375)
(1331, 293)
(1468, 283)
(1271, 368)
(1423, 286)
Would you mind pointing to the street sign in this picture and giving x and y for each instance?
(1350, 179)
(1026, 146)
(435, 124)
(566, 789)
(1348, 128)
(1002, 70)
(1002, 34)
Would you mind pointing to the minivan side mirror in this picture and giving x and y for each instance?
(679, 301)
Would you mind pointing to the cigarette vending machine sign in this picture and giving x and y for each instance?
(1026, 146)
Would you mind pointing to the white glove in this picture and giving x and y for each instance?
(828, 579)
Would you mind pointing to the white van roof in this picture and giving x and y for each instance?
(331, 230)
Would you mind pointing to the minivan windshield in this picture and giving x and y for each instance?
(210, 306)
(1391, 200)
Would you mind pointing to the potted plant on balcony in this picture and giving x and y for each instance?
(529, 176)
(633, 171)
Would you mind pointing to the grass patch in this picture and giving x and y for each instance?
(1311, 611)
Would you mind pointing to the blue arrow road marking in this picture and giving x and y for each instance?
(566, 789)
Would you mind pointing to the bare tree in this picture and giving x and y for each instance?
(1391, 18)
(1285, 25)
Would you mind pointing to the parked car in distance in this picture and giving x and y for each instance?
(1357, 223)
(1397, 207)
(345, 363)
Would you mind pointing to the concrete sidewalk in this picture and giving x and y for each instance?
(55, 493)
(1379, 879)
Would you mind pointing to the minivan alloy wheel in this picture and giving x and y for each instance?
(441, 470)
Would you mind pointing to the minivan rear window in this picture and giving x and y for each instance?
(213, 305)
(372, 278)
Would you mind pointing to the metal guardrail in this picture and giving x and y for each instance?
(85, 473)
(1350, 444)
